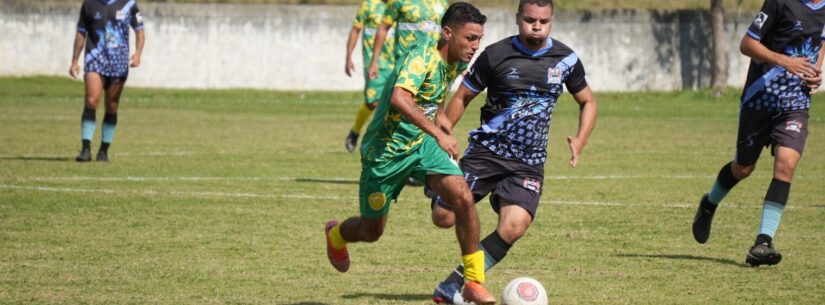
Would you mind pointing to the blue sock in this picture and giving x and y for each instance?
(87, 124)
(109, 124)
(725, 181)
(774, 205)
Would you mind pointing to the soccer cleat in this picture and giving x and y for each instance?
(763, 254)
(475, 293)
(351, 141)
(448, 293)
(84, 156)
(337, 258)
(702, 220)
(102, 156)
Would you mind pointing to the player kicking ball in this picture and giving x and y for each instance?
(403, 141)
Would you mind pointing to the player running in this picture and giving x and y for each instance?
(369, 16)
(106, 25)
(524, 76)
(403, 141)
(785, 45)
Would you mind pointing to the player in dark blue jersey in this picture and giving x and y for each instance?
(103, 26)
(524, 76)
(785, 43)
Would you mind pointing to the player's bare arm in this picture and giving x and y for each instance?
(587, 120)
(140, 40)
(813, 83)
(349, 66)
(458, 104)
(402, 100)
(380, 38)
(79, 40)
(797, 65)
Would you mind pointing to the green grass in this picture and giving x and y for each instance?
(219, 197)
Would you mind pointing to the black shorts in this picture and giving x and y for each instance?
(759, 129)
(509, 180)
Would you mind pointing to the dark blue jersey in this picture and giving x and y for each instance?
(792, 27)
(106, 25)
(523, 87)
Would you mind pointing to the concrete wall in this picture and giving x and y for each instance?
(302, 47)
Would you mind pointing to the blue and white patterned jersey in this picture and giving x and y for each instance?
(795, 28)
(106, 25)
(523, 88)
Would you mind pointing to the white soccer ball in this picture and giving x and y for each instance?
(524, 291)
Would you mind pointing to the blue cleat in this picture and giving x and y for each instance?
(448, 293)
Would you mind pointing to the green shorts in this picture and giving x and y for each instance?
(382, 181)
(375, 87)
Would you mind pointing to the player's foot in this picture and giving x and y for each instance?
(474, 292)
(351, 141)
(448, 293)
(102, 156)
(84, 156)
(703, 220)
(338, 258)
(763, 254)
(413, 182)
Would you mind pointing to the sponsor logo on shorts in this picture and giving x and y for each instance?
(532, 184)
(793, 125)
(760, 20)
(377, 201)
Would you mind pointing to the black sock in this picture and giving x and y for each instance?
(764, 239)
(726, 178)
(104, 147)
(87, 145)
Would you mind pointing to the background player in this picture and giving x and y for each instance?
(403, 141)
(107, 62)
(524, 76)
(369, 16)
(785, 45)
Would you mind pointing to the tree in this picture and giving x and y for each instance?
(719, 63)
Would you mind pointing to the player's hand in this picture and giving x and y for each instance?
(449, 145)
(349, 67)
(134, 61)
(800, 66)
(813, 83)
(74, 70)
(373, 71)
(576, 146)
(444, 124)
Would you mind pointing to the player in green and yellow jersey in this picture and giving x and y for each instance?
(403, 140)
(370, 15)
(413, 21)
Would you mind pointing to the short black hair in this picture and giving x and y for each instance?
(460, 13)
(521, 4)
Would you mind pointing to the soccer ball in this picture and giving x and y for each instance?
(524, 291)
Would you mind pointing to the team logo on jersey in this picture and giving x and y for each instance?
(377, 200)
(793, 125)
(97, 16)
(554, 76)
(797, 26)
(513, 74)
(760, 20)
(532, 184)
(120, 15)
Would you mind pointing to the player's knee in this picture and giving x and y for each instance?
(742, 171)
(443, 218)
(372, 233)
(512, 232)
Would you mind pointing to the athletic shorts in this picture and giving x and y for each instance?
(760, 129)
(109, 80)
(382, 181)
(375, 87)
(507, 179)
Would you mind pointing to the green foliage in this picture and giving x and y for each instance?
(219, 197)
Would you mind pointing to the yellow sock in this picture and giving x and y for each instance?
(337, 240)
(474, 266)
(361, 118)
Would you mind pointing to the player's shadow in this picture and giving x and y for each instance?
(36, 158)
(329, 181)
(685, 257)
(390, 297)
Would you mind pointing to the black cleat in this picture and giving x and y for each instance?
(84, 156)
(351, 141)
(703, 220)
(102, 156)
(763, 254)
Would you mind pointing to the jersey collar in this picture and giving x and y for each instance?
(529, 52)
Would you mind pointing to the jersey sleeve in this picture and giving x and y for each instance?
(83, 23)
(137, 18)
(576, 81)
(765, 20)
(361, 17)
(477, 78)
(413, 72)
(393, 9)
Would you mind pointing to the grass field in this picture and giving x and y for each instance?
(219, 197)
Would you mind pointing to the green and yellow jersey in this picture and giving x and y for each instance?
(414, 20)
(428, 77)
(370, 15)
